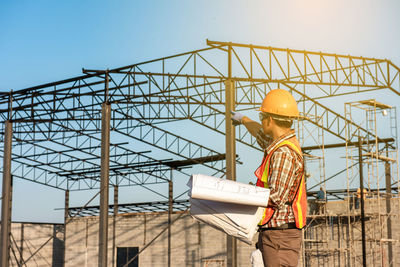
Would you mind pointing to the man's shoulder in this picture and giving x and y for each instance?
(286, 150)
(288, 154)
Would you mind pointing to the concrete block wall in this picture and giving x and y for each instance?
(333, 242)
(41, 244)
(193, 244)
(196, 244)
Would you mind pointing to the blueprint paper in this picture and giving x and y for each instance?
(232, 207)
(217, 189)
(239, 221)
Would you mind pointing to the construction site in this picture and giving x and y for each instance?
(144, 129)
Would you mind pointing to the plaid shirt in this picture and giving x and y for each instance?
(285, 173)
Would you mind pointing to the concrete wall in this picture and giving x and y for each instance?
(193, 243)
(334, 237)
(41, 244)
(329, 240)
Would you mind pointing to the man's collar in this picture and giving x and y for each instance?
(287, 135)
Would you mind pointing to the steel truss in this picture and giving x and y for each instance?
(189, 86)
(156, 206)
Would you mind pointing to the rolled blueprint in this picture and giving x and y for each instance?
(239, 221)
(217, 189)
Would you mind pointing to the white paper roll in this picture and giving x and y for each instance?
(239, 221)
(216, 189)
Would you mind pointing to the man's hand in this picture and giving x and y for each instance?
(236, 118)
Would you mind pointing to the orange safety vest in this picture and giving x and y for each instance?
(299, 203)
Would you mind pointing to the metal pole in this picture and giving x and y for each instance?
(115, 221)
(388, 210)
(66, 215)
(104, 179)
(21, 246)
(170, 203)
(360, 162)
(230, 151)
(6, 199)
(66, 206)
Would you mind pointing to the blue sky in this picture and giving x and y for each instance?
(46, 41)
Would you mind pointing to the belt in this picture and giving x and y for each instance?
(281, 227)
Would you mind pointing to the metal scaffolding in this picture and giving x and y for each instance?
(84, 132)
(377, 173)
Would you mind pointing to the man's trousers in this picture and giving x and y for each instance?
(280, 247)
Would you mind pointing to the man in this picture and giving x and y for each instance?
(358, 199)
(282, 171)
(321, 194)
(320, 201)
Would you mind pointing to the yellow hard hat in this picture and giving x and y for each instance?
(280, 102)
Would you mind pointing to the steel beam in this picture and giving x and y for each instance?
(230, 160)
(157, 206)
(104, 185)
(21, 246)
(170, 207)
(6, 197)
(388, 210)
(66, 216)
(363, 237)
(114, 223)
(388, 141)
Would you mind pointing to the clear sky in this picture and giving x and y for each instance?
(46, 41)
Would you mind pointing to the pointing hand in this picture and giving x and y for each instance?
(236, 118)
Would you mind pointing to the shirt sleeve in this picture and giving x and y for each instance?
(282, 177)
(263, 140)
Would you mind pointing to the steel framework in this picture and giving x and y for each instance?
(56, 128)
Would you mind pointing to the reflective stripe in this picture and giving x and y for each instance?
(263, 217)
(298, 204)
(287, 142)
(264, 177)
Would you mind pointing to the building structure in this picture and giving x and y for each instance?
(82, 133)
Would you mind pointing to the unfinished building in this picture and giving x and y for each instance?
(142, 126)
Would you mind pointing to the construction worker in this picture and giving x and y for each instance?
(320, 201)
(282, 171)
(359, 196)
(365, 193)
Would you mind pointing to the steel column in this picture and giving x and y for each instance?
(6, 197)
(388, 181)
(66, 215)
(21, 246)
(170, 207)
(104, 176)
(66, 206)
(360, 163)
(230, 158)
(114, 223)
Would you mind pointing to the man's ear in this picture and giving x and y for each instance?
(269, 120)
